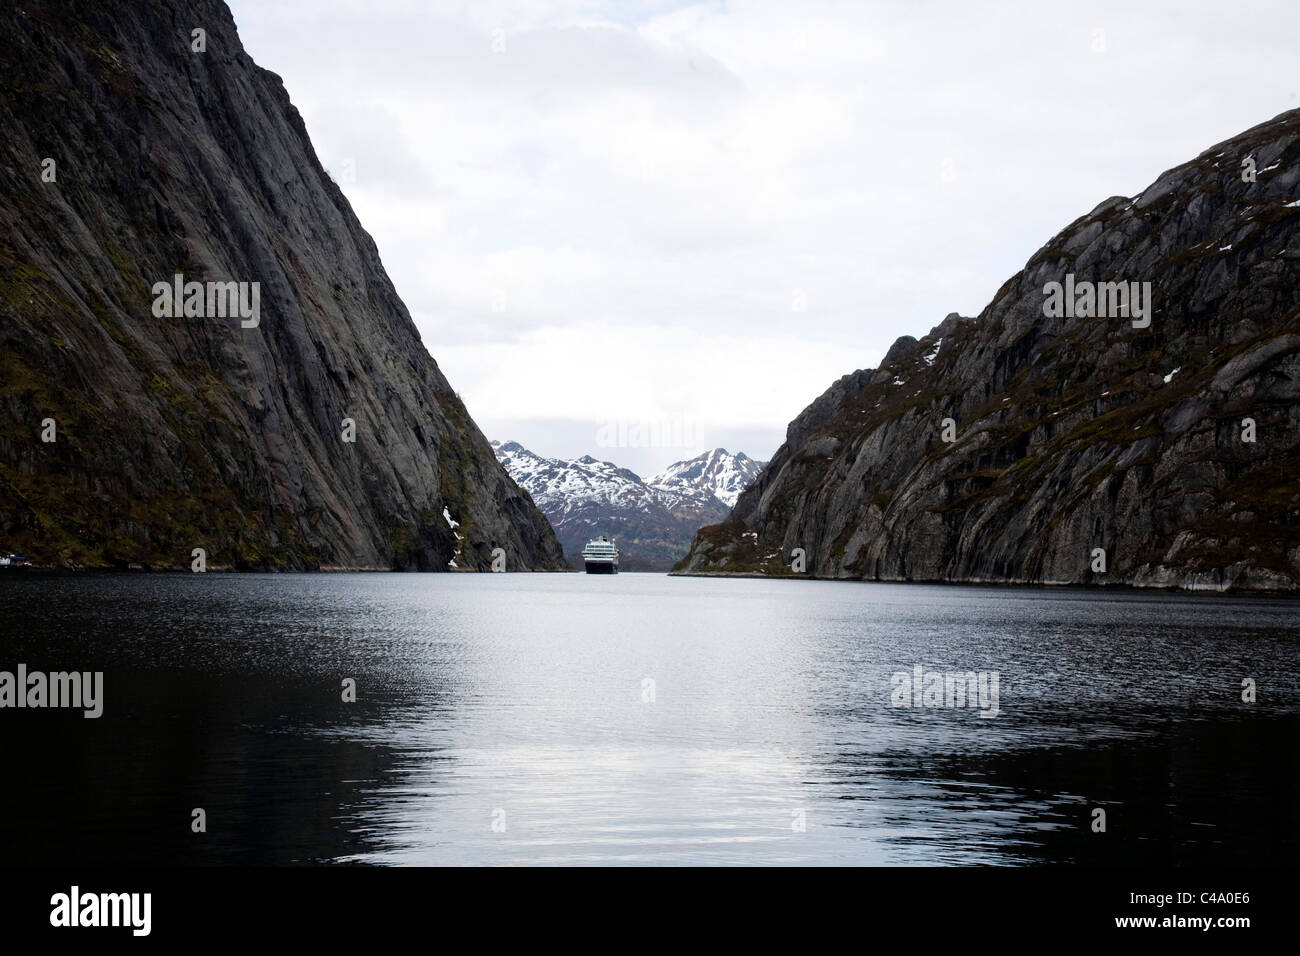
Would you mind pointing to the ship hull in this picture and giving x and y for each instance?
(601, 567)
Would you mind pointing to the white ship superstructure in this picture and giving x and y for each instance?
(600, 556)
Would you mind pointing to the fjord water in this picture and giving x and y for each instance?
(642, 719)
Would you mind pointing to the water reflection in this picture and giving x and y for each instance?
(641, 719)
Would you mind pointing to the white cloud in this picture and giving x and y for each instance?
(648, 187)
(636, 373)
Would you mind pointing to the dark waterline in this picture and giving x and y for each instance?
(521, 699)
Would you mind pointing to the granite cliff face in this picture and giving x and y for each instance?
(129, 157)
(1070, 434)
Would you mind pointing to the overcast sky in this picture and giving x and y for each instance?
(680, 223)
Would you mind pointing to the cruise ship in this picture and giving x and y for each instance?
(600, 556)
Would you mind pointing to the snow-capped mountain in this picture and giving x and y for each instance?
(652, 521)
(561, 488)
(723, 474)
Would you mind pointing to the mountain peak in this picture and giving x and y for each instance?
(718, 472)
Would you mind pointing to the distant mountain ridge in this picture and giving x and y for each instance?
(653, 519)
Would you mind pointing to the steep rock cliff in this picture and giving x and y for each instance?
(1073, 434)
(197, 431)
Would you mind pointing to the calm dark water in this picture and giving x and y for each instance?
(509, 718)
